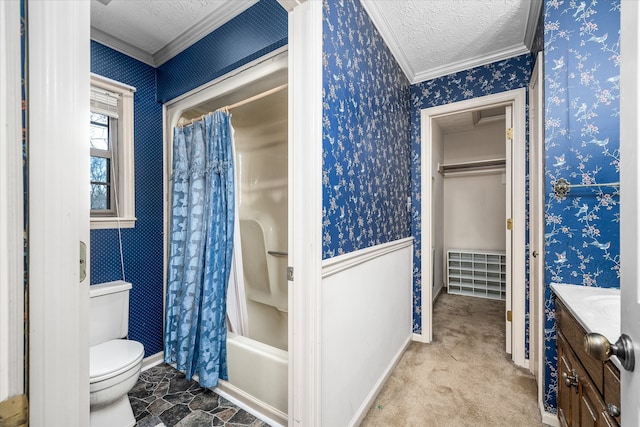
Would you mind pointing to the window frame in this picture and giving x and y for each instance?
(111, 155)
(122, 143)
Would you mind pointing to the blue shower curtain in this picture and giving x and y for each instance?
(200, 249)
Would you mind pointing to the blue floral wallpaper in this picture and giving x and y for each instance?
(257, 31)
(366, 142)
(582, 140)
(497, 77)
(142, 245)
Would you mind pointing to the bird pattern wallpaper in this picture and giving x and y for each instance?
(582, 141)
(366, 143)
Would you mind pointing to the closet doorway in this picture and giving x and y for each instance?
(473, 187)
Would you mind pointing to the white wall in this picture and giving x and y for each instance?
(482, 143)
(474, 205)
(366, 325)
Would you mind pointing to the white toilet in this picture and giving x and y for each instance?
(114, 361)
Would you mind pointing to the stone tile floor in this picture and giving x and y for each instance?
(163, 396)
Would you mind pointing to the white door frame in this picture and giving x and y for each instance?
(509, 180)
(58, 108)
(270, 71)
(629, 208)
(536, 224)
(11, 206)
(305, 195)
(516, 98)
(305, 213)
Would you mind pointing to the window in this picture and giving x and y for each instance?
(111, 154)
(103, 152)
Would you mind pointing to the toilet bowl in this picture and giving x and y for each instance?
(114, 363)
(114, 369)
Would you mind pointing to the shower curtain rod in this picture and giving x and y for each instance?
(240, 103)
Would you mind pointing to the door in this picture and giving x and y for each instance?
(536, 217)
(515, 202)
(58, 209)
(629, 211)
(508, 122)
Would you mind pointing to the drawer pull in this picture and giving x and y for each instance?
(570, 380)
(613, 410)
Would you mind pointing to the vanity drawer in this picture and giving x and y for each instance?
(574, 333)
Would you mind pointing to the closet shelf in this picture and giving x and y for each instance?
(473, 167)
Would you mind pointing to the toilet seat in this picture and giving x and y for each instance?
(111, 358)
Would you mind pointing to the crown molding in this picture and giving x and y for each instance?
(208, 24)
(288, 5)
(385, 30)
(535, 7)
(414, 77)
(469, 63)
(121, 46)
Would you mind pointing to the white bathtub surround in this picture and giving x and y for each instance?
(236, 297)
(258, 378)
(265, 278)
(366, 325)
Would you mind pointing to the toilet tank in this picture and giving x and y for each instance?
(108, 311)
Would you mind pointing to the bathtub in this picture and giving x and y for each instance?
(258, 378)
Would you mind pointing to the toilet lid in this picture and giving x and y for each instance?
(112, 357)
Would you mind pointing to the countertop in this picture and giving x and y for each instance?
(596, 309)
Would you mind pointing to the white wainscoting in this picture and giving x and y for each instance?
(366, 326)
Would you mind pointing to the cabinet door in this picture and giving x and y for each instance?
(590, 405)
(607, 421)
(567, 393)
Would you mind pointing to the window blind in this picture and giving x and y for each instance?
(104, 102)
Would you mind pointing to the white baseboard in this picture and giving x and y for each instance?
(419, 338)
(549, 419)
(153, 360)
(369, 401)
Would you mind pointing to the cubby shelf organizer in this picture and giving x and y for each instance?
(477, 273)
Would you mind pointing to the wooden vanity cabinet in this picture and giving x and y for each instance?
(584, 383)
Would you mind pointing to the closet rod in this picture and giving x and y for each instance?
(240, 103)
(256, 97)
(479, 164)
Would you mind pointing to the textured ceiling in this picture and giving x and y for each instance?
(155, 30)
(429, 38)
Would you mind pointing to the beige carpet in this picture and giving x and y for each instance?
(463, 378)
